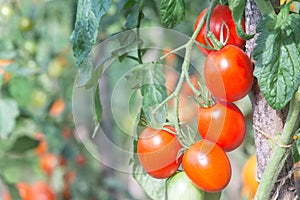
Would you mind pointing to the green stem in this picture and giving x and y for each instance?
(265, 6)
(279, 153)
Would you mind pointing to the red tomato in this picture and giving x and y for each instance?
(41, 191)
(157, 151)
(219, 15)
(222, 123)
(24, 192)
(228, 73)
(48, 162)
(207, 165)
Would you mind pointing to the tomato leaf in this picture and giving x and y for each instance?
(88, 17)
(97, 104)
(133, 11)
(278, 56)
(21, 90)
(8, 113)
(111, 49)
(172, 12)
(149, 78)
(23, 144)
(238, 8)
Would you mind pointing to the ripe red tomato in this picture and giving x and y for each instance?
(41, 191)
(228, 73)
(207, 166)
(48, 162)
(219, 15)
(222, 123)
(157, 151)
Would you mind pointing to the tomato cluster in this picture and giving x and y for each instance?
(228, 77)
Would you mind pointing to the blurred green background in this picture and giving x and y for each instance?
(39, 140)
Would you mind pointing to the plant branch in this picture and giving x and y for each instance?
(280, 154)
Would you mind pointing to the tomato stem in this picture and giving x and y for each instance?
(279, 153)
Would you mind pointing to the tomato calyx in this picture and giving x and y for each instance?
(213, 42)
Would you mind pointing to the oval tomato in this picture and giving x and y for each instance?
(41, 191)
(48, 162)
(249, 181)
(219, 15)
(180, 187)
(222, 123)
(228, 73)
(157, 151)
(207, 166)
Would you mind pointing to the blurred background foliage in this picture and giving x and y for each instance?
(38, 139)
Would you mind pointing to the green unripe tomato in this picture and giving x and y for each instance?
(180, 187)
(6, 11)
(25, 24)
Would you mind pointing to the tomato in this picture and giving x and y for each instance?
(41, 191)
(24, 192)
(228, 73)
(57, 107)
(207, 166)
(222, 123)
(25, 24)
(42, 148)
(48, 162)
(219, 15)
(157, 151)
(80, 160)
(250, 183)
(6, 11)
(180, 187)
(38, 98)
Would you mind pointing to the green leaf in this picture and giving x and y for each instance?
(88, 17)
(278, 56)
(13, 191)
(132, 10)
(97, 104)
(172, 12)
(23, 144)
(238, 8)
(149, 78)
(21, 90)
(8, 113)
(154, 188)
(119, 44)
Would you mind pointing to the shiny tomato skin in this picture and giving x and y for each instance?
(180, 187)
(222, 123)
(220, 13)
(228, 73)
(207, 166)
(157, 152)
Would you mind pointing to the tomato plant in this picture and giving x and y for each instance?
(221, 14)
(222, 123)
(207, 165)
(157, 151)
(228, 73)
